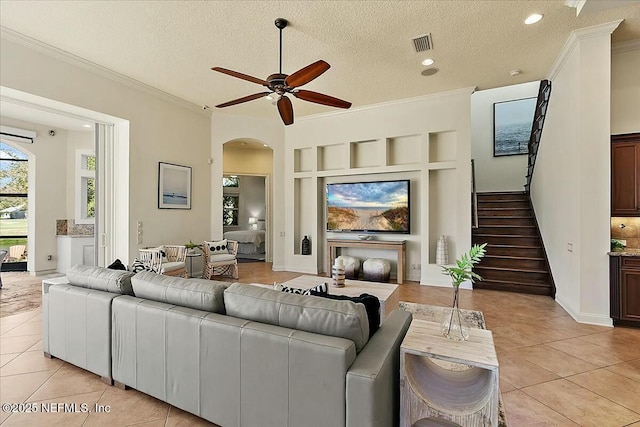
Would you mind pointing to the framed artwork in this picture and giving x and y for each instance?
(174, 186)
(512, 121)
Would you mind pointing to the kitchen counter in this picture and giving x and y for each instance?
(626, 252)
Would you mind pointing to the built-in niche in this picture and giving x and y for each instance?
(403, 150)
(365, 154)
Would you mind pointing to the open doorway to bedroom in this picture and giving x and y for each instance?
(246, 215)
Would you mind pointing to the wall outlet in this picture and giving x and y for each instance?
(139, 237)
(570, 247)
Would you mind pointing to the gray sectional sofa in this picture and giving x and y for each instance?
(234, 354)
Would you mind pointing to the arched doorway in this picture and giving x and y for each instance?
(247, 197)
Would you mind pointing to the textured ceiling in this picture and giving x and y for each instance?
(172, 45)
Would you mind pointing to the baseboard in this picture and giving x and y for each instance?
(587, 318)
(277, 267)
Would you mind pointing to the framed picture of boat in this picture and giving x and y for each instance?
(174, 186)
(512, 121)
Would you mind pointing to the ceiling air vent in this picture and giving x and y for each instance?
(422, 43)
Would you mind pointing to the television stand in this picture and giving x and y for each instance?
(397, 245)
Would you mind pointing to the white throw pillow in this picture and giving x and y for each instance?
(217, 248)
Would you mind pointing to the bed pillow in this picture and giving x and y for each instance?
(217, 248)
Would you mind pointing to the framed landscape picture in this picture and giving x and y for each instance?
(174, 186)
(512, 122)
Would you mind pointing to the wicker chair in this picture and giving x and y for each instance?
(169, 260)
(224, 264)
(16, 252)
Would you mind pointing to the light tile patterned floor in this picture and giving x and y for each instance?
(554, 371)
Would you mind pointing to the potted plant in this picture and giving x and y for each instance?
(191, 246)
(453, 326)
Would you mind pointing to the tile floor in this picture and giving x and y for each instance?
(553, 370)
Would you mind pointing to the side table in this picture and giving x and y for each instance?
(466, 395)
(191, 256)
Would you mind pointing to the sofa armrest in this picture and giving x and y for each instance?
(373, 381)
(46, 284)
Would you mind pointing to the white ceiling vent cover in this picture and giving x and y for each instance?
(422, 43)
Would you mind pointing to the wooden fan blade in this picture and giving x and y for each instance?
(306, 74)
(241, 76)
(244, 99)
(320, 98)
(286, 110)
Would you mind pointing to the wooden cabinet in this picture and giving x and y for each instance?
(625, 175)
(625, 290)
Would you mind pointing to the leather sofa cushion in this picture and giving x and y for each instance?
(343, 319)
(199, 294)
(101, 279)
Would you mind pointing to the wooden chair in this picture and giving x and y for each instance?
(169, 260)
(224, 264)
(16, 252)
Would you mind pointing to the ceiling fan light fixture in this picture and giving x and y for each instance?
(428, 62)
(280, 84)
(533, 18)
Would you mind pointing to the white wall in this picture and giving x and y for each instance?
(47, 196)
(625, 88)
(505, 173)
(570, 189)
(427, 125)
(227, 127)
(162, 128)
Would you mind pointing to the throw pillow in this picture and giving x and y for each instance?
(163, 252)
(319, 289)
(117, 265)
(371, 304)
(217, 248)
(139, 266)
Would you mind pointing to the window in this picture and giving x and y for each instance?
(14, 174)
(85, 187)
(230, 201)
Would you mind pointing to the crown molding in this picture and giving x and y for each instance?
(625, 46)
(572, 42)
(464, 91)
(62, 55)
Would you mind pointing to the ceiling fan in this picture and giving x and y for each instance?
(282, 84)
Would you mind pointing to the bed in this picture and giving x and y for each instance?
(250, 242)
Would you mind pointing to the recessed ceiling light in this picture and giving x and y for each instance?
(515, 73)
(264, 145)
(428, 62)
(269, 97)
(86, 126)
(533, 18)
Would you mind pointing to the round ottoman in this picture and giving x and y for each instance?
(376, 270)
(351, 266)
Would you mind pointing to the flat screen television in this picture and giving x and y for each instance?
(380, 206)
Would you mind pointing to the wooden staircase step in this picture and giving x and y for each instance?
(507, 204)
(513, 286)
(513, 274)
(513, 262)
(511, 195)
(515, 250)
(504, 211)
(512, 230)
(505, 239)
(489, 220)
